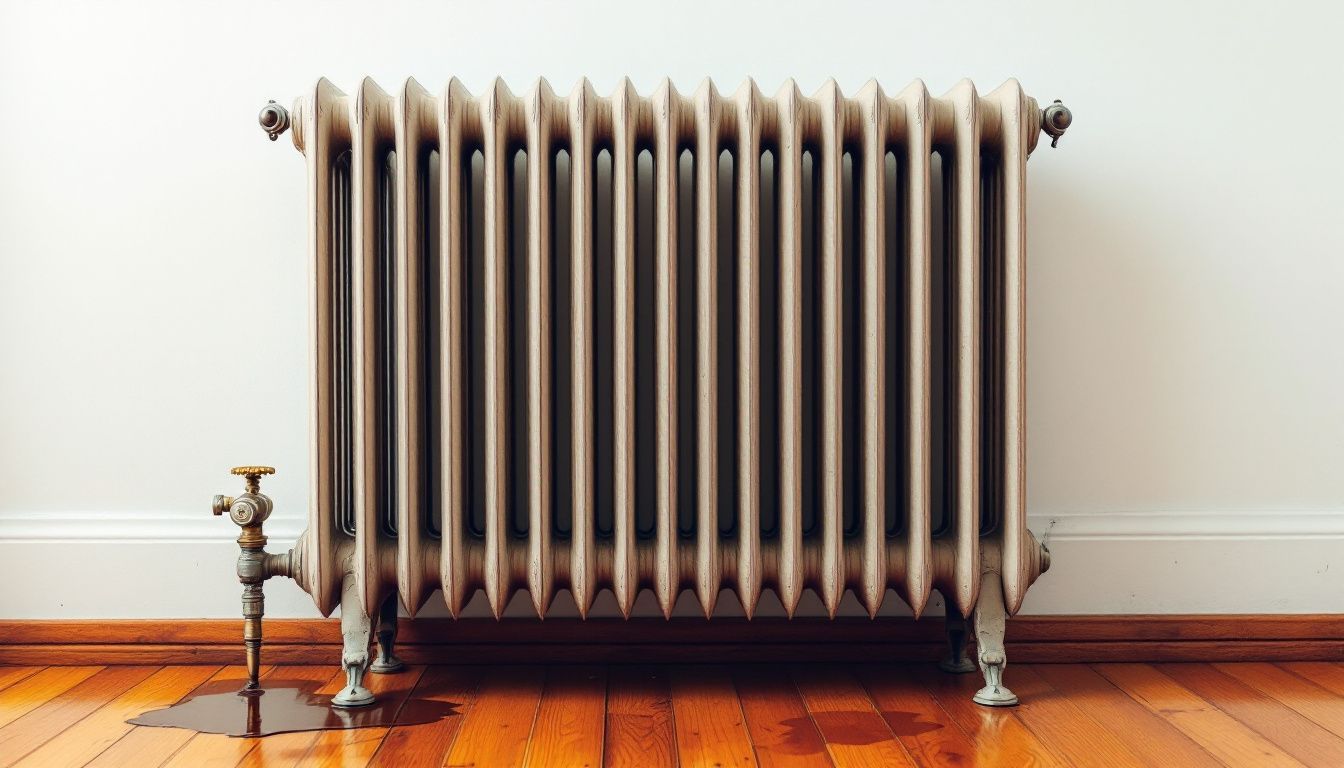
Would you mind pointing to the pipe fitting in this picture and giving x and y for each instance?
(274, 119)
(221, 504)
(1055, 120)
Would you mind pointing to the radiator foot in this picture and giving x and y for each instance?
(991, 619)
(355, 630)
(354, 694)
(387, 662)
(957, 661)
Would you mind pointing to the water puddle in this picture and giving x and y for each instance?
(286, 707)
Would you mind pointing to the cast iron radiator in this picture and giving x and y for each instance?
(672, 342)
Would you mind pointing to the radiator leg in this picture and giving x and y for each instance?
(387, 661)
(991, 618)
(956, 660)
(355, 630)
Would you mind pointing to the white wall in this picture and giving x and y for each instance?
(1185, 418)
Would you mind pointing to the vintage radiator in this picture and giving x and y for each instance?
(671, 342)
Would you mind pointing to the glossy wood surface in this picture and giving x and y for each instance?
(1196, 714)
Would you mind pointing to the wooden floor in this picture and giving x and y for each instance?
(1253, 714)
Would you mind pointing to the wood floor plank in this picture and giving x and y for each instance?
(212, 750)
(781, 729)
(285, 749)
(86, 739)
(54, 717)
(1311, 700)
(639, 724)
(11, 675)
(422, 746)
(35, 690)
(1293, 733)
(496, 729)
(855, 734)
(998, 736)
(1218, 732)
(1067, 728)
(1147, 734)
(356, 746)
(152, 746)
(1327, 674)
(1242, 714)
(707, 718)
(570, 719)
(914, 716)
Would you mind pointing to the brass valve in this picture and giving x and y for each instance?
(249, 511)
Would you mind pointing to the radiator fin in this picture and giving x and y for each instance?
(667, 112)
(370, 122)
(322, 132)
(748, 174)
(540, 429)
(457, 105)
(873, 117)
(831, 121)
(1014, 134)
(583, 569)
(790, 582)
(964, 205)
(411, 289)
(708, 570)
(916, 111)
(624, 111)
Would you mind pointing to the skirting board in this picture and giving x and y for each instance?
(1034, 639)
(182, 564)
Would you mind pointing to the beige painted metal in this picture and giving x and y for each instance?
(962, 127)
(541, 556)
(873, 106)
(456, 112)
(583, 578)
(915, 109)
(708, 566)
(791, 569)
(414, 122)
(370, 121)
(669, 107)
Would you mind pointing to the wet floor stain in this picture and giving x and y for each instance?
(286, 707)
(908, 723)
(857, 728)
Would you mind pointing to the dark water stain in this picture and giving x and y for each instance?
(798, 736)
(908, 723)
(288, 708)
(854, 728)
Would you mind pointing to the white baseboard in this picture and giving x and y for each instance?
(176, 565)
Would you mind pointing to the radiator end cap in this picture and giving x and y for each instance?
(1055, 120)
(274, 119)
